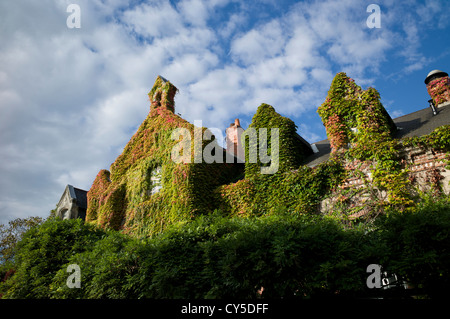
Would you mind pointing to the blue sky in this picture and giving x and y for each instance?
(70, 99)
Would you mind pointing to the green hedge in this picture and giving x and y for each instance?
(219, 257)
(419, 244)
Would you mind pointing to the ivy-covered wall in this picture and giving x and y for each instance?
(368, 173)
(293, 186)
(378, 166)
(354, 116)
(413, 169)
(291, 151)
(122, 198)
(162, 94)
(299, 191)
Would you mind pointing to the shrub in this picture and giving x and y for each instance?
(42, 251)
(418, 247)
(105, 269)
(280, 255)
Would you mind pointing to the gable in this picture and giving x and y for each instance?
(418, 123)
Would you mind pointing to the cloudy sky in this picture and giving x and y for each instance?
(71, 98)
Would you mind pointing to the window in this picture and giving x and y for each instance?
(155, 179)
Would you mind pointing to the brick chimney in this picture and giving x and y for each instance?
(438, 87)
(234, 145)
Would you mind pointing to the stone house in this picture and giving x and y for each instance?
(72, 204)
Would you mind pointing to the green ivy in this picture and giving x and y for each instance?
(348, 107)
(356, 117)
(122, 197)
(291, 151)
(162, 95)
(299, 191)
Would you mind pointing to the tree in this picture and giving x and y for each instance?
(42, 251)
(11, 234)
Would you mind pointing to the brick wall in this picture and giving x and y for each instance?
(356, 195)
(427, 168)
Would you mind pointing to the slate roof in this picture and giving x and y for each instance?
(421, 122)
(418, 123)
(324, 149)
(79, 194)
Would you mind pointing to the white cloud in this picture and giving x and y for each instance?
(324, 76)
(154, 20)
(111, 119)
(256, 45)
(233, 24)
(194, 12)
(190, 67)
(431, 11)
(276, 73)
(187, 40)
(215, 97)
(302, 47)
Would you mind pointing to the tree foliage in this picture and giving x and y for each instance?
(11, 234)
(42, 251)
(214, 256)
(419, 243)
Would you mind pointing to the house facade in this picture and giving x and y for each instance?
(369, 162)
(72, 204)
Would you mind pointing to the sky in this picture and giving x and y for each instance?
(71, 98)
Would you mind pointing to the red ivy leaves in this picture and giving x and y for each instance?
(439, 90)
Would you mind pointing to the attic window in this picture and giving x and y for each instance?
(314, 148)
(156, 180)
